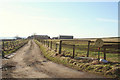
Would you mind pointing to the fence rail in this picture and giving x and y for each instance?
(11, 44)
(86, 45)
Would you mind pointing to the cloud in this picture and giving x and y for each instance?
(107, 20)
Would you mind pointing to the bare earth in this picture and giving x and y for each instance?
(29, 63)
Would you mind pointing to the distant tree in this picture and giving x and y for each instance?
(17, 37)
(34, 35)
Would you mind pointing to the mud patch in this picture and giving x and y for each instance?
(7, 70)
(7, 67)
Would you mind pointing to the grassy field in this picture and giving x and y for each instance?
(12, 46)
(112, 54)
(110, 69)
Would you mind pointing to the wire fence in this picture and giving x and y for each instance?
(9, 45)
(84, 48)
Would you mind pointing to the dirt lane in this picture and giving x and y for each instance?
(29, 63)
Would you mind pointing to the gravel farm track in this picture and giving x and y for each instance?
(28, 62)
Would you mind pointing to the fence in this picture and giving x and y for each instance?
(11, 44)
(84, 48)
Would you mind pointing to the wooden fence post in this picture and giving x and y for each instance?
(10, 45)
(48, 43)
(105, 53)
(3, 55)
(51, 45)
(13, 44)
(88, 48)
(17, 43)
(7, 45)
(44, 42)
(73, 51)
(98, 54)
(56, 48)
(60, 46)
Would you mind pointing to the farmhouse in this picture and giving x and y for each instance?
(40, 36)
(65, 37)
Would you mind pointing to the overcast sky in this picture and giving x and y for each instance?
(80, 19)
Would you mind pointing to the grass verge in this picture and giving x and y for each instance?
(15, 49)
(107, 69)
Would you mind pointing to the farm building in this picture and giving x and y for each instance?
(40, 36)
(65, 37)
(18, 37)
(55, 38)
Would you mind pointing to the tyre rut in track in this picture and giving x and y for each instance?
(28, 62)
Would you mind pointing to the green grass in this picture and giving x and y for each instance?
(109, 69)
(13, 49)
(81, 50)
